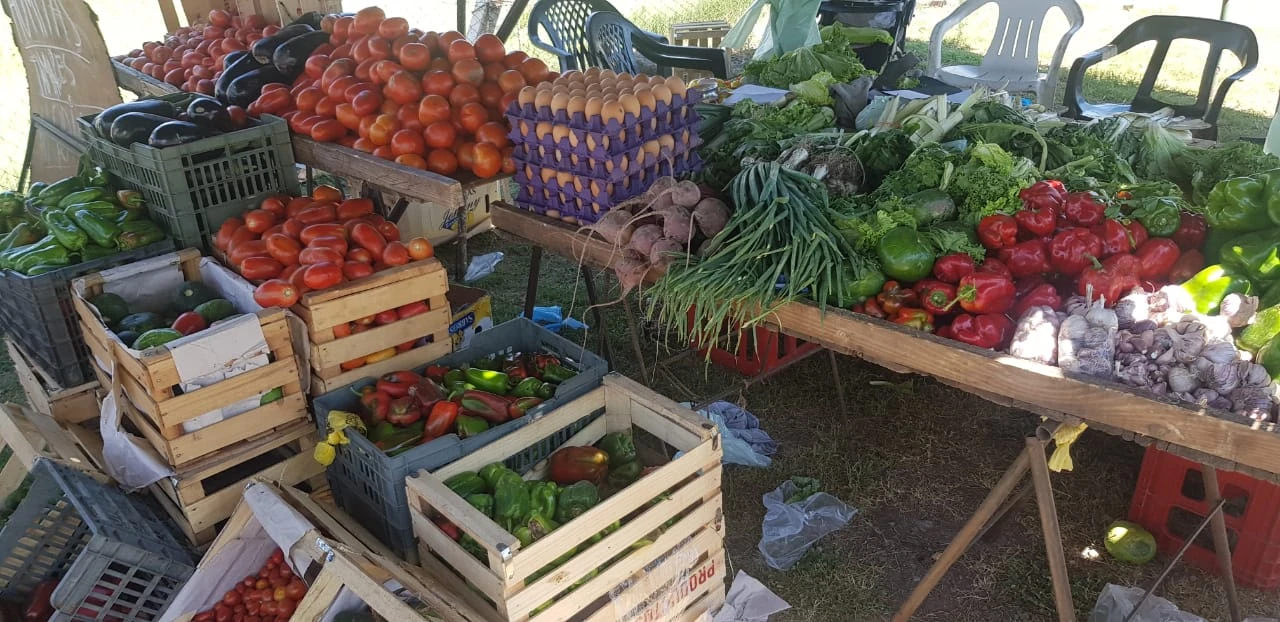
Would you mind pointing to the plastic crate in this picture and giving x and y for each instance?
(369, 484)
(114, 556)
(36, 312)
(1169, 501)
(758, 351)
(192, 188)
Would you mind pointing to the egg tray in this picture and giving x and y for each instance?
(612, 169)
(619, 137)
(587, 206)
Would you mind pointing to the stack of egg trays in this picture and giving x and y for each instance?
(618, 177)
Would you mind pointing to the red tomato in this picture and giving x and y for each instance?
(367, 20)
(260, 268)
(511, 81)
(459, 50)
(327, 131)
(245, 250)
(493, 133)
(395, 253)
(384, 152)
(489, 48)
(315, 66)
(359, 255)
(508, 162)
(436, 82)
(364, 70)
(367, 237)
(326, 193)
(488, 161)
(470, 71)
(420, 248)
(533, 70)
(407, 115)
(354, 208)
(471, 116)
(513, 59)
(327, 108)
(283, 248)
(339, 68)
(326, 229)
(322, 275)
(442, 161)
(356, 269)
(308, 98)
(492, 71)
(292, 227)
(403, 88)
(384, 69)
(389, 231)
(462, 94)
(407, 141)
(222, 240)
(337, 90)
(393, 28)
(411, 160)
(312, 255)
(333, 242)
(349, 95)
(440, 135)
(276, 293)
(415, 57)
(323, 212)
(433, 108)
(348, 117)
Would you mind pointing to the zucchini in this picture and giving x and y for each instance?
(102, 231)
(263, 48)
(290, 56)
(102, 123)
(101, 208)
(176, 133)
(135, 127)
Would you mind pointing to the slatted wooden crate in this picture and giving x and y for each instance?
(29, 435)
(362, 298)
(149, 378)
(66, 405)
(652, 581)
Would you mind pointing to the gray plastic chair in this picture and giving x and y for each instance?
(565, 25)
(613, 43)
(1163, 30)
(1012, 60)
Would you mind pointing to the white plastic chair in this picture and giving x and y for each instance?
(1012, 60)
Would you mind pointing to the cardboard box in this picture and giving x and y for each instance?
(472, 313)
(439, 223)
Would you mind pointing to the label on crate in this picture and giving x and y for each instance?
(662, 589)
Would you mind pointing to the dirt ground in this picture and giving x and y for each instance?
(915, 458)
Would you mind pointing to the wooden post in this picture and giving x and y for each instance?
(1221, 546)
(170, 15)
(1052, 533)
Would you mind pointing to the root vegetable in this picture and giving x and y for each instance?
(712, 215)
(663, 251)
(686, 193)
(677, 224)
(660, 186)
(630, 272)
(643, 239)
(614, 227)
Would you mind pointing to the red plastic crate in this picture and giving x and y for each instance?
(1169, 501)
(759, 351)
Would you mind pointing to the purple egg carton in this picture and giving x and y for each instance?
(608, 139)
(612, 169)
(587, 204)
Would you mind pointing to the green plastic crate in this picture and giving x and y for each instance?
(191, 189)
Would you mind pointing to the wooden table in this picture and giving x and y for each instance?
(1216, 439)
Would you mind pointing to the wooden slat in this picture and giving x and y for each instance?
(420, 355)
(141, 84)
(242, 452)
(74, 405)
(678, 602)
(20, 436)
(385, 294)
(215, 507)
(334, 353)
(410, 182)
(558, 237)
(196, 444)
(430, 537)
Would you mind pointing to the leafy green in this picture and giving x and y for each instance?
(924, 169)
(814, 90)
(989, 181)
(1207, 167)
(883, 153)
(864, 231)
(834, 55)
(947, 240)
(1159, 153)
(840, 34)
(755, 131)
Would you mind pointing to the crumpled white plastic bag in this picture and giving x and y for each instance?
(790, 529)
(1115, 603)
(749, 600)
(129, 460)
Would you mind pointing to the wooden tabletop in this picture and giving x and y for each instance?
(1219, 438)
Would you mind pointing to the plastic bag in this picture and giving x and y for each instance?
(126, 458)
(789, 529)
(482, 266)
(1116, 602)
(793, 24)
(749, 600)
(742, 439)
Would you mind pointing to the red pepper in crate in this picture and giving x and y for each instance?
(403, 411)
(950, 268)
(487, 406)
(1157, 257)
(1115, 238)
(984, 292)
(1044, 294)
(1137, 233)
(991, 265)
(1049, 192)
(521, 405)
(998, 231)
(1039, 217)
(447, 527)
(989, 330)
(936, 297)
(894, 297)
(574, 464)
(872, 308)
(541, 361)
(397, 383)
(1110, 279)
(1026, 258)
(1191, 232)
(1188, 265)
(375, 403)
(516, 371)
(426, 392)
(436, 372)
(1083, 209)
(1072, 249)
(918, 319)
(440, 420)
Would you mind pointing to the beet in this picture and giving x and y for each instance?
(663, 251)
(712, 215)
(643, 238)
(686, 194)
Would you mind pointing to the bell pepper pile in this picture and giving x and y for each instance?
(404, 409)
(578, 478)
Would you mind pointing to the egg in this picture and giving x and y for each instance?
(651, 148)
(569, 76)
(559, 101)
(629, 104)
(576, 103)
(646, 98)
(677, 87)
(543, 99)
(559, 132)
(526, 95)
(591, 73)
(662, 94)
(666, 141)
(607, 74)
(548, 174)
(592, 108)
(564, 179)
(543, 129)
(642, 77)
(607, 84)
(624, 81)
(528, 171)
(578, 92)
(591, 142)
(656, 80)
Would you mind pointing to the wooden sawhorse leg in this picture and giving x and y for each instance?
(1031, 459)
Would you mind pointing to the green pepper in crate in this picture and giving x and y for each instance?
(490, 363)
(138, 233)
(470, 545)
(83, 196)
(491, 472)
(21, 235)
(546, 391)
(487, 380)
(542, 498)
(483, 502)
(47, 251)
(540, 526)
(523, 534)
(556, 373)
(1209, 286)
(101, 230)
(574, 500)
(510, 500)
(625, 474)
(469, 426)
(619, 446)
(466, 484)
(11, 203)
(527, 388)
(92, 174)
(51, 195)
(66, 232)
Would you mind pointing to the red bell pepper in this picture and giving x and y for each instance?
(991, 265)
(1042, 295)
(1157, 257)
(998, 231)
(426, 392)
(487, 406)
(1137, 233)
(1072, 249)
(872, 308)
(893, 297)
(1191, 232)
(918, 319)
(944, 332)
(521, 405)
(936, 297)
(1110, 279)
(577, 463)
(440, 419)
(375, 403)
(1037, 218)
(397, 383)
(448, 527)
(1187, 265)
(985, 292)
(542, 361)
(403, 411)
(1049, 192)
(436, 372)
(1115, 238)
(949, 268)
(1083, 209)
(1026, 258)
(989, 330)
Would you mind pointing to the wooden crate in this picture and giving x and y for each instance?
(149, 378)
(204, 493)
(74, 405)
(388, 289)
(29, 435)
(690, 483)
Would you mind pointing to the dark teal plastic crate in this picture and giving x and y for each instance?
(369, 484)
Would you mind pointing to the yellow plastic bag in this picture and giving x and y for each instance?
(1063, 438)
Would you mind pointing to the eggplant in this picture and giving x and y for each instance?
(243, 90)
(102, 123)
(208, 112)
(176, 133)
(136, 127)
(263, 48)
(310, 18)
(291, 55)
(234, 69)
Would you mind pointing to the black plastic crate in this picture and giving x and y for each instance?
(369, 484)
(36, 312)
(115, 558)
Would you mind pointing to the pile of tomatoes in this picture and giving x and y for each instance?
(290, 246)
(272, 594)
(192, 57)
(425, 100)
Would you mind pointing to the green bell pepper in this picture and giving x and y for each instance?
(404, 439)
(22, 234)
(904, 255)
(469, 426)
(470, 545)
(1209, 286)
(490, 363)
(11, 203)
(545, 391)
(46, 252)
(523, 534)
(574, 500)
(527, 388)
(453, 376)
(483, 502)
(1239, 204)
(1265, 326)
(101, 230)
(102, 209)
(510, 501)
(91, 252)
(381, 431)
(138, 233)
(857, 287)
(625, 474)
(1269, 357)
(36, 188)
(619, 446)
(540, 526)
(50, 196)
(556, 373)
(1256, 254)
(94, 175)
(1160, 216)
(88, 195)
(487, 380)
(66, 232)
(466, 484)
(542, 498)
(490, 473)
